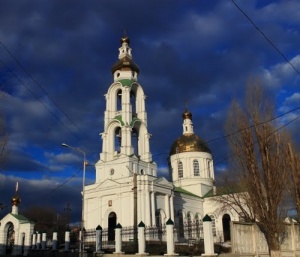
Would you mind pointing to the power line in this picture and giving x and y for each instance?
(260, 123)
(41, 102)
(266, 38)
(38, 84)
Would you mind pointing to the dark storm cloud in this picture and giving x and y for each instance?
(202, 52)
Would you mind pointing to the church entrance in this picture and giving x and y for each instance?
(10, 239)
(112, 222)
(226, 227)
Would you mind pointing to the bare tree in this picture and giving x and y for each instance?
(259, 153)
(294, 181)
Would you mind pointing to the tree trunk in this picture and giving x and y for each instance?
(274, 245)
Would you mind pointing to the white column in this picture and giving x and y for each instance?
(153, 208)
(167, 207)
(67, 240)
(99, 239)
(44, 241)
(143, 203)
(33, 245)
(27, 242)
(139, 194)
(172, 206)
(141, 238)
(100, 210)
(118, 239)
(208, 237)
(170, 238)
(148, 207)
(38, 241)
(54, 241)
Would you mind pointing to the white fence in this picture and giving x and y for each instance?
(248, 240)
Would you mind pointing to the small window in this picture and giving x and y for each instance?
(196, 168)
(180, 170)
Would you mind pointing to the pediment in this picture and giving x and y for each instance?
(15, 219)
(163, 182)
(108, 183)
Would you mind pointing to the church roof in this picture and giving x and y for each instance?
(125, 63)
(189, 143)
(224, 190)
(21, 218)
(183, 191)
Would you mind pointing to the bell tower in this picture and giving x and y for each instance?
(125, 139)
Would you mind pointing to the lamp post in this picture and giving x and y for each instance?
(83, 184)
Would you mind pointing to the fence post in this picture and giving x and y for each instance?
(44, 241)
(54, 241)
(33, 246)
(118, 240)
(208, 237)
(38, 241)
(170, 238)
(141, 239)
(98, 239)
(67, 240)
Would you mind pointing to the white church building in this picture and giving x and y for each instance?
(127, 189)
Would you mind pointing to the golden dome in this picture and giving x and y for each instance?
(189, 143)
(125, 63)
(15, 200)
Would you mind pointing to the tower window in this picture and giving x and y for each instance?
(196, 168)
(180, 170)
(209, 169)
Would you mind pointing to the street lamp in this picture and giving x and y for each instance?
(83, 184)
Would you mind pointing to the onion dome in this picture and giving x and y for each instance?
(187, 114)
(125, 62)
(125, 39)
(15, 200)
(189, 143)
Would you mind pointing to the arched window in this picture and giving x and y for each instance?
(10, 238)
(196, 168)
(189, 225)
(213, 224)
(180, 170)
(209, 173)
(199, 226)
(180, 224)
(226, 227)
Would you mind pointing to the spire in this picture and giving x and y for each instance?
(186, 114)
(125, 62)
(15, 200)
(187, 121)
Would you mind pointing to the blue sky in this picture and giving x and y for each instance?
(55, 60)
